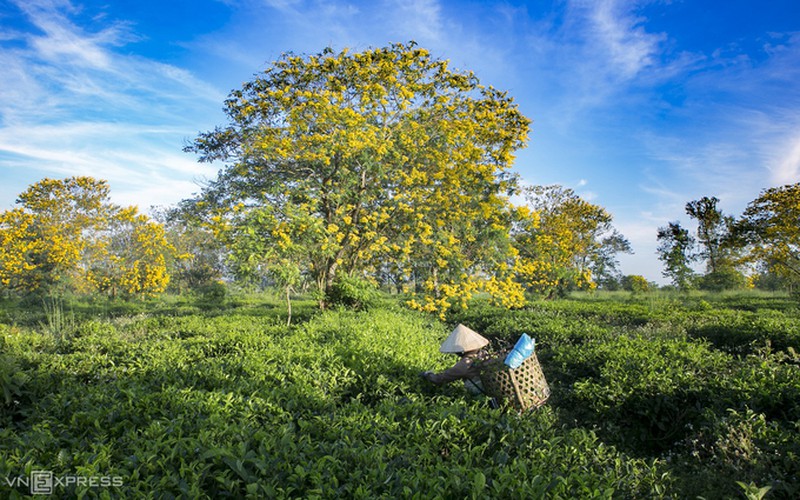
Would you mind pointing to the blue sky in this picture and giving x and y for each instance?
(639, 106)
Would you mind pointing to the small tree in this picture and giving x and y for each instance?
(68, 236)
(198, 264)
(563, 240)
(261, 248)
(675, 251)
(130, 256)
(51, 231)
(635, 283)
(712, 230)
(605, 265)
(726, 278)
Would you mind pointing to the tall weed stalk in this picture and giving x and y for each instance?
(59, 325)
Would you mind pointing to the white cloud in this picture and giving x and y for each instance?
(642, 237)
(61, 42)
(621, 35)
(147, 163)
(731, 152)
(284, 5)
(597, 56)
(663, 199)
(64, 71)
(787, 168)
(614, 43)
(421, 18)
(71, 104)
(774, 136)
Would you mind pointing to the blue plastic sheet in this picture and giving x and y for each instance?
(521, 351)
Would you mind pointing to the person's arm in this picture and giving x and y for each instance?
(461, 370)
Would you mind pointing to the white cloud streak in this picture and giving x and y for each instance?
(73, 105)
(621, 39)
(423, 18)
(787, 168)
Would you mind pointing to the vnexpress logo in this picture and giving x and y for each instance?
(44, 482)
(41, 482)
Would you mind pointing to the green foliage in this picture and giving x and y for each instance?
(675, 251)
(769, 230)
(353, 292)
(199, 257)
(12, 379)
(753, 492)
(765, 239)
(213, 291)
(725, 278)
(59, 324)
(708, 383)
(177, 399)
(635, 283)
(712, 228)
(771, 281)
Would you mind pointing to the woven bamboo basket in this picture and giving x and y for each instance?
(524, 388)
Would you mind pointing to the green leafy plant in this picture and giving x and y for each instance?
(12, 379)
(353, 292)
(752, 491)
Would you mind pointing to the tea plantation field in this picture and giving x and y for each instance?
(653, 396)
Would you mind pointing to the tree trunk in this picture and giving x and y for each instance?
(330, 275)
(288, 307)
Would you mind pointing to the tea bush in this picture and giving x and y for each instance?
(353, 292)
(231, 402)
(661, 379)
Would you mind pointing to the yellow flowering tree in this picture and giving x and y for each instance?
(363, 161)
(130, 256)
(67, 235)
(562, 241)
(50, 232)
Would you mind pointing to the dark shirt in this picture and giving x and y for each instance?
(466, 368)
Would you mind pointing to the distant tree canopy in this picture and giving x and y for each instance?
(675, 246)
(635, 283)
(570, 241)
(43, 240)
(762, 247)
(339, 171)
(199, 264)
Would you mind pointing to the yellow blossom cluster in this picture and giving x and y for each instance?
(507, 292)
(16, 246)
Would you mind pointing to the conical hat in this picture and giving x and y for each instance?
(463, 340)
